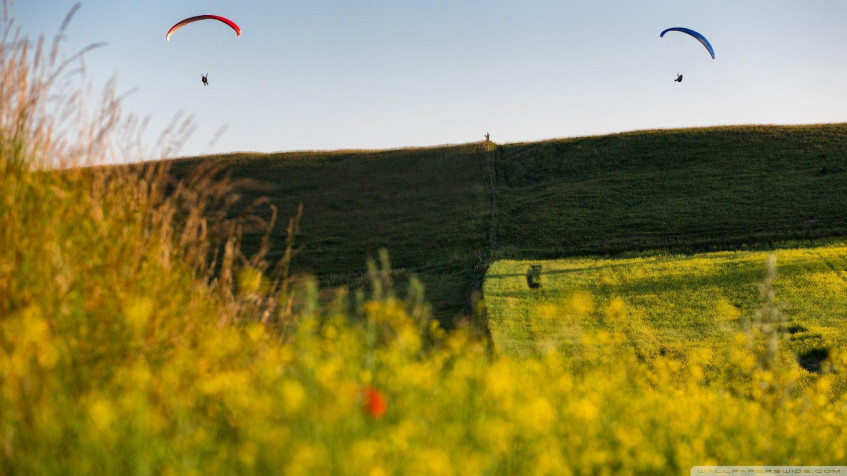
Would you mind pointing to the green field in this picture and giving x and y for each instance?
(669, 301)
(431, 208)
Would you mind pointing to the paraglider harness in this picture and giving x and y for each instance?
(678, 78)
(205, 79)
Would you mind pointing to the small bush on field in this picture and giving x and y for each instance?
(128, 344)
(533, 276)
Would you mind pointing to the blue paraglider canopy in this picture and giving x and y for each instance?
(702, 39)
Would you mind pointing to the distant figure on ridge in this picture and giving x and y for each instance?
(678, 78)
(487, 137)
(205, 79)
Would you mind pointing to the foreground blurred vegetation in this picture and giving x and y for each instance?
(136, 337)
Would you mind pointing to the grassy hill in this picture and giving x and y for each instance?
(688, 189)
(685, 189)
(428, 207)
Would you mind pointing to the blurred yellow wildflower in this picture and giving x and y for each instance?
(581, 304)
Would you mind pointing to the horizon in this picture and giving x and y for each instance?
(516, 143)
(326, 75)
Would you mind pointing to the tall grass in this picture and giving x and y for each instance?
(135, 337)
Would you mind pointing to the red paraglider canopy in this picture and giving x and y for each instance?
(203, 17)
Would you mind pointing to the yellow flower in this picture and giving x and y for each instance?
(726, 311)
(581, 304)
(409, 340)
(101, 413)
(615, 311)
(293, 395)
(537, 415)
(498, 379)
(378, 471)
(306, 460)
(551, 462)
(586, 410)
(435, 461)
(629, 437)
(366, 455)
(138, 311)
(256, 332)
(435, 330)
(497, 435)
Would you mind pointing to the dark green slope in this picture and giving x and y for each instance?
(688, 189)
(427, 207)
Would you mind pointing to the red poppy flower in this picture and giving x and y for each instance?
(375, 403)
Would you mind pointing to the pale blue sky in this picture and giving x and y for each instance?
(331, 74)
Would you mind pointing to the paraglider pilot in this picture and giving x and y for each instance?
(678, 78)
(205, 80)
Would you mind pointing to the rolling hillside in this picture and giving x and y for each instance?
(688, 189)
(428, 207)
